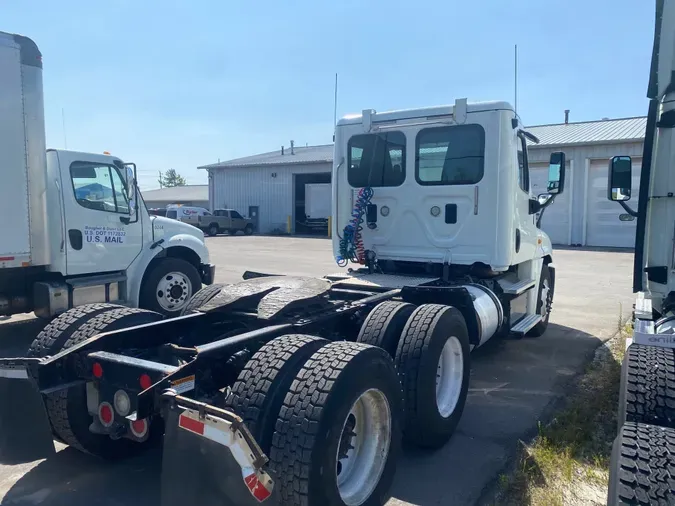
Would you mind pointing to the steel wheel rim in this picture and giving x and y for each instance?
(173, 291)
(449, 376)
(545, 291)
(363, 448)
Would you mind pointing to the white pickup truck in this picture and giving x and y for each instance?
(76, 229)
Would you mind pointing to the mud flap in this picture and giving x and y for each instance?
(25, 432)
(208, 461)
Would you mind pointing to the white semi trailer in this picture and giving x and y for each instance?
(74, 227)
(643, 458)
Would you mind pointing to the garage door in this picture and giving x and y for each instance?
(556, 220)
(603, 227)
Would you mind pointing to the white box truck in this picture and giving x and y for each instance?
(317, 205)
(74, 227)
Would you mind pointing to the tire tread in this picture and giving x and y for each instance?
(643, 466)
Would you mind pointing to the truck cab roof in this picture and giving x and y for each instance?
(425, 112)
(89, 157)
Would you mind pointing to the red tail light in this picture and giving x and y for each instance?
(97, 370)
(145, 381)
(106, 414)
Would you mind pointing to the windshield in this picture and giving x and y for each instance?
(173, 214)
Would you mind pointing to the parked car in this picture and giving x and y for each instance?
(225, 220)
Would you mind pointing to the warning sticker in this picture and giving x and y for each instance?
(113, 235)
(184, 384)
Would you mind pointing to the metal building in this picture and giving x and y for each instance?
(582, 215)
(272, 184)
(270, 187)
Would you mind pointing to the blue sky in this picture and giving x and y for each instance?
(180, 84)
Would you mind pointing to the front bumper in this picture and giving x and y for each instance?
(208, 273)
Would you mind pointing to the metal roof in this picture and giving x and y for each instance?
(590, 132)
(177, 193)
(302, 154)
(605, 131)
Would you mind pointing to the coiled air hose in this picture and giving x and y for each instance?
(351, 242)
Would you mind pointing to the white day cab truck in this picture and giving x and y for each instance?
(75, 229)
(642, 469)
(291, 390)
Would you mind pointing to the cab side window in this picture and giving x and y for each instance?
(236, 215)
(99, 187)
(523, 169)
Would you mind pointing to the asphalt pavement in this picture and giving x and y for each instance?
(514, 385)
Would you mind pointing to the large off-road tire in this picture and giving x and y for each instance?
(346, 394)
(202, 297)
(544, 302)
(384, 324)
(647, 389)
(432, 361)
(52, 338)
(168, 285)
(642, 467)
(67, 409)
(248, 229)
(262, 385)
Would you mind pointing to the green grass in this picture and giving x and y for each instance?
(567, 463)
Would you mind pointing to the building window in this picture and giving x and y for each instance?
(450, 155)
(376, 160)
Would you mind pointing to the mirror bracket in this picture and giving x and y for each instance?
(627, 208)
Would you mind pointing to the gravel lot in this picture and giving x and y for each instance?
(514, 384)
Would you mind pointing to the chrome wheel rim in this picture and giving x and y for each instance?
(173, 291)
(363, 447)
(449, 376)
(544, 299)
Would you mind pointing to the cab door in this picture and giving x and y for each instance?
(238, 221)
(102, 234)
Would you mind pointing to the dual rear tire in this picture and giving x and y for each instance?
(430, 347)
(329, 415)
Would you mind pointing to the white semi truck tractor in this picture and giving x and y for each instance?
(643, 458)
(74, 228)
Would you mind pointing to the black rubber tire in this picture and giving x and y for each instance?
(311, 421)
(384, 324)
(417, 357)
(67, 409)
(213, 230)
(262, 385)
(248, 229)
(642, 466)
(58, 331)
(647, 389)
(156, 270)
(540, 328)
(202, 297)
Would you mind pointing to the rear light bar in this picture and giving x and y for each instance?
(223, 432)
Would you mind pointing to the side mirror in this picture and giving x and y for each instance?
(620, 178)
(556, 173)
(130, 173)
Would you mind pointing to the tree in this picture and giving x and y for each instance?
(171, 178)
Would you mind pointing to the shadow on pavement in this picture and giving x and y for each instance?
(514, 385)
(71, 478)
